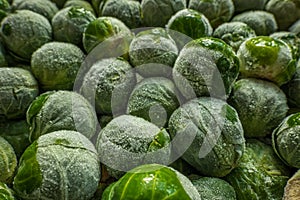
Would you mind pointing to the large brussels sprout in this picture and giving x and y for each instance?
(25, 31)
(152, 181)
(8, 161)
(18, 88)
(59, 165)
(291, 190)
(61, 110)
(242, 5)
(292, 89)
(215, 132)
(55, 65)
(260, 174)
(267, 58)
(261, 106)
(81, 4)
(6, 193)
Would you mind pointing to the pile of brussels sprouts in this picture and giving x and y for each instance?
(146, 99)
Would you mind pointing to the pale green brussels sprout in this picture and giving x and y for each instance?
(260, 174)
(24, 31)
(6, 193)
(18, 88)
(242, 5)
(267, 58)
(152, 181)
(212, 133)
(61, 110)
(157, 13)
(217, 11)
(295, 28)
(128, 141)
(291, 190)
(80, 3)
(8, 161)
(55, 65)
(59, 165)
(262, 22)
(292, 89)
(234, 33)
(69, 24)
(261, 106)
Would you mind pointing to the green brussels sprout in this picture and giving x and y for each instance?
(217, 11)
(214, 188)
(295, 28)
(24, 31)
(291, 190)
(242, 5)
(8, 161)
(206, 67)
(55, 65)
(61, 110)
(262, 22)
(59, 3)
(80, 3)
(267, 58)
(152, 181)
(260, 174)
(59, 165)
(128, 141)
(69, 24)
(42, 7)
(261, 106)
(6, 193)
(191, 23)
(292, 89)
(234, 33)
(215, 132)
(18, 88)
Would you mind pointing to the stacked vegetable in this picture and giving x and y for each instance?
(169, 99)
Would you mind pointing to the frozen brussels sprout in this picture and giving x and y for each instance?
(234, 33)
(291, 190)
(59, 165)
(152, 181)
(295, 28)
(6, 193)
(267, 58)
(217, 11)
(69, 24)
(24, 31)
(80, 3)
(61, 110)
(261, 106)
(55, 65)
(215, 134)
(8, 161)
(128, 141)
(242, 5)
(191, 23)
(260, 174)
(292, 89)
(18, 88)
(206, 67)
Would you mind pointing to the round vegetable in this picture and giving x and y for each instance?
(152, 181)
(18, 88)
(292, 89)
(25, 31)
(6, 193)
(291, 190)
(81, 4)
(8, 161)
(55, 65)
(59, 165)
(242, 5)
(215, 132)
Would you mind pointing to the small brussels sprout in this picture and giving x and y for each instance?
(261, 106)
(262, 22)
(260, 174)
(61, 110)
(6, 193)
(217, 11)
(152, 181)
(59, 165)
(291, 190)
(295, 28)
(8, 161)
(215, 134)
(24, 31)
(292, 89)
(234, 33)
(80, 3)
(55, 65)
(242, 5)
(18, 88)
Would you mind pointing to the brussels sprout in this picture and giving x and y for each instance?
(295, 28)
(59, 165)
(234, 33)
(80, 3)
(18, 88)
(6, 193)
(291, 190)
(262, 22)
(261, 106)
(61, 110)
(260, 174)
(267, 58)
(69, 24)
(25, 31)
(153, 52)
(191, 23)
(242, 5)
(216, 132)
(217, 11)
(152, 181)
(292, 89)
(8, 161)
(206, 67)
(55, 65)
(128, 141)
